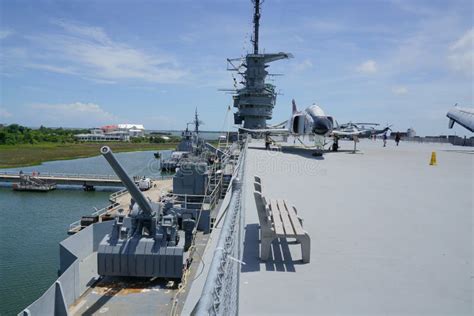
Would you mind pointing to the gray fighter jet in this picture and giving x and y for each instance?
(365, 129)
(312, 121)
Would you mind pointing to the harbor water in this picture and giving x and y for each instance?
(32, 224)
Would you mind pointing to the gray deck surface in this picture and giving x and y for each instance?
(390, 235)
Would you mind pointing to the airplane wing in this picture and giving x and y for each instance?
(374, 124)
(268, 131)
(346, 133)
(462, 116)
(278, 126)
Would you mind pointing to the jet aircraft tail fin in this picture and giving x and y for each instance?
(293, 103)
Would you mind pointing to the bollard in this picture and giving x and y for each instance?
(433, 159)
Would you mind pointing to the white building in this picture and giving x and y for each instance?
(119, 132)
(97, 137)
(134, 130)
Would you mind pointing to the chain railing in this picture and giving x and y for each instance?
(220, 295)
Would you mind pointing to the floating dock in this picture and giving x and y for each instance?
(32, 183)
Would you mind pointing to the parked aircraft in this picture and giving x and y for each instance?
(365, 129)
(462, 116)
(312, 122)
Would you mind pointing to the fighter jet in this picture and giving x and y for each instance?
(462, 116)
(365, 129)
(312, 121)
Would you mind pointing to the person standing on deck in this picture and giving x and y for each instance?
(267, 142)
(335, 144)
(385, 140)
(397, 138)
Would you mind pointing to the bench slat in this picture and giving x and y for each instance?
(294, 219)
(276, 218)
(285, 218)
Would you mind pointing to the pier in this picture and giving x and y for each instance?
(90, 180)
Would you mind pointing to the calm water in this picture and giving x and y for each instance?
(32, 224)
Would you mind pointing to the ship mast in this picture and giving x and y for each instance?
(256, 25)
(255, 101)
(196, 121)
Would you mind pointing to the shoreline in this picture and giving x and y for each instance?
(25, 155)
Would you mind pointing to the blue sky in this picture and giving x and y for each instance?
(89, 63)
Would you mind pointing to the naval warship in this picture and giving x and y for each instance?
(191, 145)
(234, 237)
(144, 258)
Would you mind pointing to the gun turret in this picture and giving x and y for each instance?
(137, 195)
(146, 246)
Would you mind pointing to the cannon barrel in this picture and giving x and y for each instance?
(126, 180)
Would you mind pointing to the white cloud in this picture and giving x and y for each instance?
(461, 54)
(189, 38)
(76, 114)
(326, 26)
(5, 33)
(304, 65)
(367, 67)
(84, 31)
(413, 8)
(52, 68)
(400, 90)
(89, 52)
(5, 114)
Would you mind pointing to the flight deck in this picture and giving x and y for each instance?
(390, 234)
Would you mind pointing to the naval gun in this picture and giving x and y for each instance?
(145, 244)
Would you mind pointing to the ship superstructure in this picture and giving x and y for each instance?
(255, 101)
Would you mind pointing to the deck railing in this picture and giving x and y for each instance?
(75, 225)
(196, 201)
(220, 295)
(114, 196)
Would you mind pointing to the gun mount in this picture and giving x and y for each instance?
(146, 245)
(137, 195)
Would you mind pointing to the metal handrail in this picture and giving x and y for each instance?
(99, 212)
(105, 209)
(212, 198)
(77, 175)
(74, 225)
(220, 295)
(113, 197)
(63, 175)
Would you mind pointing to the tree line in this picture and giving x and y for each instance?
(16, 134)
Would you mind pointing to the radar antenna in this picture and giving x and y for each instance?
(256, 25)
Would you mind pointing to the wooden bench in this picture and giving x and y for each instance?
(279, 219)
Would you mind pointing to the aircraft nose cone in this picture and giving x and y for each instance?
(322, 126)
